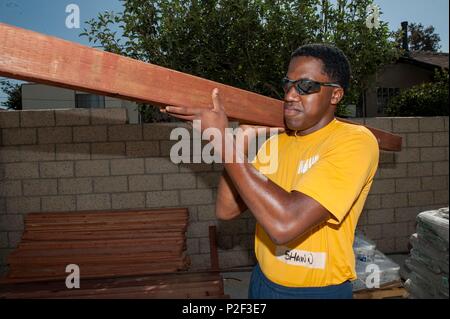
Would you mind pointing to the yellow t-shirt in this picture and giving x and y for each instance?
(335, 166)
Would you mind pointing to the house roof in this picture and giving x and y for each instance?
(432, 59)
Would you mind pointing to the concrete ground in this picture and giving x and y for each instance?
(236, 282)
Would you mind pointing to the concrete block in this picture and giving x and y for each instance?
(11, 222)
(142, 149)
(162, 199)
(408, 155)
(196, 197)
(394, 200)
(128, 200)
(420, 169)
(110, 184)
(19, 136)
(72, 152)
(69, 186)
(125, 132)
(58, 204)
(94, 202)
(127, 166)
(10, 188)
(419, 139)
(434, 154)
(54, 135)
(380, 216)
(420, 198)
(431, 124)
(383, 186)
(108, 150)
(37, 153)
(10, 154)
(395, 230)
(434, 183)
(440, 139)
(160, 165)
(178, 181)
(441, 197)
(403, 185)
(21, 205)
(393, 171)
(72, 117)
(56, 169)
(92, 168)
(382, 123)
(405, 124)
(14, 238)
(9, 119)
(36, 187)
(373, 202)
(21, 170)
(109, 116)
(440, 168)
(145, 182)
(89, 134)
(37, 118)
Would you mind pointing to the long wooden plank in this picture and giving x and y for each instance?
(36, 57)
(32, 56)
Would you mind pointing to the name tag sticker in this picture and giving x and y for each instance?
(302, 258)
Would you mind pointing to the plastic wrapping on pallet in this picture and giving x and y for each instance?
(381, 269)
(363, 248)
(434, 223)
(429, 260)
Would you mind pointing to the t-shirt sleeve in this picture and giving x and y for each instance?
(339, 175)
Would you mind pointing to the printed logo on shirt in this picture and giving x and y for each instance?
(303, 258)
(307, 164)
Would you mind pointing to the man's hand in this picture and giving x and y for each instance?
(214, 117)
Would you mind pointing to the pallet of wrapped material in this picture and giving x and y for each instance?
(381, 268)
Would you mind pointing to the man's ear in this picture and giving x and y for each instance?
(337, 95)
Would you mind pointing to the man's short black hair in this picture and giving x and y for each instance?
(335, 64)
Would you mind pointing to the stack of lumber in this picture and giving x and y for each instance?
(180, 285)
(102, 244)
(428, 262)
(120, 254)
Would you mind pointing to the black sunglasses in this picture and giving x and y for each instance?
(305, 86)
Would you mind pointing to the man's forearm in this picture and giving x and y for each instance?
(271, 205)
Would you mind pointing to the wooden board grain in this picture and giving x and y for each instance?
(31, 56)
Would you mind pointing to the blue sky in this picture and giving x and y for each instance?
(49, 16)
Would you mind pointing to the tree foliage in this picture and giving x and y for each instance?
(420, 38)
(243, 43)
(426, 99)
(14, 94)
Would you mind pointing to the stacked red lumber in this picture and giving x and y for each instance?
(102, 244)
(120, 254)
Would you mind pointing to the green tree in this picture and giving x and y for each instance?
(243, 43)
(14, 94)
(426, 99)
(420, 38)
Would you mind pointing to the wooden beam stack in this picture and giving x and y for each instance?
(117, 253)
(102, 244)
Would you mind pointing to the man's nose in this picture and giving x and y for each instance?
(292, 95)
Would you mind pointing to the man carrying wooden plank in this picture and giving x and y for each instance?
(308, 207)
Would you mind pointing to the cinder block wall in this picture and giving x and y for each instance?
(71, 160)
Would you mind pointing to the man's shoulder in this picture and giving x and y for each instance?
(355, 132)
